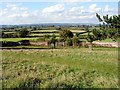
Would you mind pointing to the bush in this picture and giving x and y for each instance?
(23, 32)
(69, 42)
(75, 40)
(4, 43)
(10, 35)
(24, 42)
(66, 34)
(82, 36)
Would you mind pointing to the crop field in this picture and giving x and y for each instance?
(60, 68)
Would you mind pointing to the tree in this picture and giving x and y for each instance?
(2, 34)
(111, 24)
(69, 42)
(23, 32)
(53, 41)
(46, 37)
(99, 18)
(90, 38)
(65, 35)
(75, 40)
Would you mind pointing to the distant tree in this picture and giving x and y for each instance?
(34, 28)
(2, 34)
(69, 42)
(46, 37)
(53, 41)
(23, 32)
(75, 40)
(90, 38)
(66, 34)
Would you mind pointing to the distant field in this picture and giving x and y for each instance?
(77, 31)
(17, 39)
(106, 40)
(42, 34)
(44, 31)
(60, 68)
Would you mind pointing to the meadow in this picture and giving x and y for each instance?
(60, 68)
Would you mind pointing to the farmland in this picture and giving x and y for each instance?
(29, 66)
(59, 44)
(60, 68)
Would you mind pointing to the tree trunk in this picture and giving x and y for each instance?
(90, 46)
(63, 43)
(54, 45)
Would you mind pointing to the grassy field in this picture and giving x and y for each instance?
(44, 31)
(106, 40)
(42, 34)
(60, 68)
(18, 39)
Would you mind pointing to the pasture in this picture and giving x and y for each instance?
(18, 39)
(37, 35)
(60, 68)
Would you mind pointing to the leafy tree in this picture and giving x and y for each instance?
(46, 37)
(2, 34)
(99, 18)
(66, 34)
(75, 40)
(94, 35)
(112, 25)
(69, 41)
(53, 41)
(23, 32)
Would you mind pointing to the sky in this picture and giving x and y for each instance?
(54, 11)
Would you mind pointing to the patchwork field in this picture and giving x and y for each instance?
(60, 68)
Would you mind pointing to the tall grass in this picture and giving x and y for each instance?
(60, 68)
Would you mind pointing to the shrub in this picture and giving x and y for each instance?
(69, 42)
(66, 34)
(23, 32)
(75, 40)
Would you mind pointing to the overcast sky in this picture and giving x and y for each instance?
(66, 11)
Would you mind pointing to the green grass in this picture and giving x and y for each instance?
(18, 39)
(44, 30)
(42, 34)
(60, 68)
(77, 31)
(106, 40)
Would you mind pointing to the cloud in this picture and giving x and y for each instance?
(54, 9)
(17, 14)
(2, 13)
(77, 9)
(73, 1)
(9, 5)
(15, 7)
(107, 8)
(94, 8)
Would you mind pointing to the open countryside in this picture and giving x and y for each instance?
(61, 55)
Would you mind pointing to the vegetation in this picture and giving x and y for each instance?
(110, 26)
(53, 40)
(23, 33)
(60, 68)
